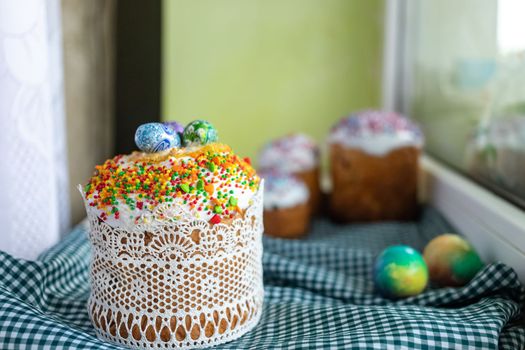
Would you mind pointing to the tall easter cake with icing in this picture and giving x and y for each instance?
(286, 210)
(295, 154)
(176, 234)
(374, 167)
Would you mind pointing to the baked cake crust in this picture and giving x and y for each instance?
(370, 188)
(287, 222)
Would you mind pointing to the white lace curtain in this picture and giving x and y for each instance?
(34, 202)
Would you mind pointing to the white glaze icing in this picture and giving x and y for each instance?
(290, 154)
(129, 217)
(283, 191)
(376, 132)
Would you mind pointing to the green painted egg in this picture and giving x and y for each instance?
(400, 271)
(199, 132)
(451, 260)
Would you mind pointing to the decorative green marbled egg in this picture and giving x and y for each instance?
(199, 132)
(451, 260)
(400, 271)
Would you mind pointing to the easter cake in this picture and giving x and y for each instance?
(295, 154)
(374, 167)
(176, 239)
(286, 211)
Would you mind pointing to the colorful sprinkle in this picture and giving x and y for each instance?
(185, 187)
(215, 219)
(370, 122)
(142, 181)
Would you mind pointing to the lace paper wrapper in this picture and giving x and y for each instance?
(176, 284)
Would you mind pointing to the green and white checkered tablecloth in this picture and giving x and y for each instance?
(319, 295)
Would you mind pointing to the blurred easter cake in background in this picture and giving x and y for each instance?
(374, 167)
(296, 154)
(496, 154)
(286, 210)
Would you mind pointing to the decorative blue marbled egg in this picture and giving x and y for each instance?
(155, 137)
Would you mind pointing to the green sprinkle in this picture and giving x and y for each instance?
(185, 187)
(233, 201)
(217, 209)
(211, 166)
(200, 185)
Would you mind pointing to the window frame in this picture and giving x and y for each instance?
(494, 226)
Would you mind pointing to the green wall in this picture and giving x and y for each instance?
(258, 69)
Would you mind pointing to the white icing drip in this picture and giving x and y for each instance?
(129, 218)
(376, 144)
(290, 154)
(376, 132)
(282, 191)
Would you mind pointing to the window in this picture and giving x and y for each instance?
(467, 87)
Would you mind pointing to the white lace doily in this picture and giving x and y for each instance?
(177, 284)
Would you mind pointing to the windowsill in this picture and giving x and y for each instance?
(494, 226)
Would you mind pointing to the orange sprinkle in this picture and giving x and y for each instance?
(209, 188)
